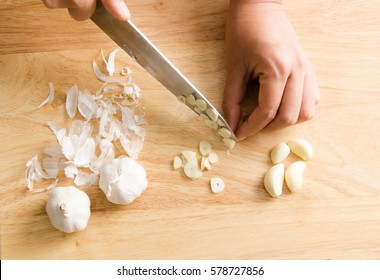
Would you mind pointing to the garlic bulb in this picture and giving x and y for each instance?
(122, 180)
(68, 209)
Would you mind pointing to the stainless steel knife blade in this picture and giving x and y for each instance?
(141, 49)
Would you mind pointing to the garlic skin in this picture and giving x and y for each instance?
(68, 209)
(294, 175)
(123, 180)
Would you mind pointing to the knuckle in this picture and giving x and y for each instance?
(306, 115)
(269, 114)
(288, 119)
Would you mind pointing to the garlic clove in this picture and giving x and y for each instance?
(294, 175)
(217, 185)
(68, 209)
(301, 148)
(204, 148)
(279, 153)
(274, 179)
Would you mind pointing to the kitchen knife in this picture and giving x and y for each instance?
(141, 49)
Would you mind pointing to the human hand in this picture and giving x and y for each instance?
(83, 9)
(262, 44)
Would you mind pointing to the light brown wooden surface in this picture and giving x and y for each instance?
(336, 215)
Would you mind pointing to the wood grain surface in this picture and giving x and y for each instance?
(336, 215)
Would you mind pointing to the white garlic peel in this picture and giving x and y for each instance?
(123, 180)
(301, 148)
(274, 179)
(279, 153)
(294, 175)
(68, 209)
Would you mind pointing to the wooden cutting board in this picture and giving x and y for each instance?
(336, 215)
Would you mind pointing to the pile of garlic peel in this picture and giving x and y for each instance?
(293, 175)
(193, 166)
(85, 154)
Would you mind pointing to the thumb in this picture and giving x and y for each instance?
(234, 92)
(117, 8)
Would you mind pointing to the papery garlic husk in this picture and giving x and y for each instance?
(68, 209)
(123, 180)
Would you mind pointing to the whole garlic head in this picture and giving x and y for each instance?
(122, 180)
(68, 209)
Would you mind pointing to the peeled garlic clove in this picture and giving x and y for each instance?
(68, 209)
(204, 148)
(301, 148)
(123, 180)
(279, 153)
(177, 163)
(213, 157)
(294, 175)
(192, 171)
(274, 179)
(217, 185)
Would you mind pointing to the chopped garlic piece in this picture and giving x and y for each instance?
(50, 97)
(192, 171)
(177, 163)
(201, 104)
(190, 99)
(204, 148)
(212, 113)
(213, 157)
(181, 98)
(126, 71)
(190, 156)
(211, 124)
(229, 142)
(224, 132)
(205, 164)
(217, 185)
